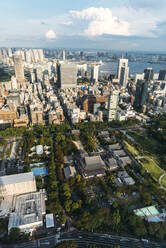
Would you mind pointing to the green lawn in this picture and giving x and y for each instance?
(149, 144)
(163, 181)
(153, 169)
(131, 149)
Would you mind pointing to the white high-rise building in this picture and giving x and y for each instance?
(14, 83)
(123, 72)
(10, 54)
(94, 73)
(112, 105)
(64, 55)
(28, 56)
(41, 55)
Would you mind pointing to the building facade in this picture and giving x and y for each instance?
(112, 105)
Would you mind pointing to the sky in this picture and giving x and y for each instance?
(131, 25)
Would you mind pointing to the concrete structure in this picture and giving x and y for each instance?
(6, 114)
(141, 95)
(28, 212)
(93, 166)
(64, 55)
(49, 220)
(69, 171)
(36, 115)
(112, 105)
(94, 73)
(123, 72)
(148, 74)
(19, 70)
(162, 75)
(39, 149)
(67, 75)
(17, 184)
(112, 164)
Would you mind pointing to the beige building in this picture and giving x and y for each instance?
(37, 116)
(20, 122)
(17, 184)
(8, 115)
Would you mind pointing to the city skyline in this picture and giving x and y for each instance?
(97, 24)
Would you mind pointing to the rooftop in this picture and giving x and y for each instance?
(69, 171)
(28, 211)
(16, 178)
(147, 211)
(115, 147)
(94, 163)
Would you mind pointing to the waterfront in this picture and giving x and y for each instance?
(135, 67)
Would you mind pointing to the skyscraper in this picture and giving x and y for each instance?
(64, 55)
(123, 72)
(94, 73)
(162, 75)
(148, 74)
(112, 105)
(141, 94)
(10, 54)
(66, 75)
(19, 69)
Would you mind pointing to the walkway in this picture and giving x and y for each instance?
(160, 181)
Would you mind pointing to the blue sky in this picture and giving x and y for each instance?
(101, 24)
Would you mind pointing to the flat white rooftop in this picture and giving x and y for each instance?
(16, 178)
(28, 211)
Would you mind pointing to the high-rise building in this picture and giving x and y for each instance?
(141, 94)
(162, 75)
(41, 55)
(10, 54)
(123, 72)
(66, 75)
(64, 55)
(148, 74)
(19, 69)
(112, 105)
(94, 73)
(28, 56)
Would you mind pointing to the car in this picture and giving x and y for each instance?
(45, 242)
(123, 239)
(145, 240)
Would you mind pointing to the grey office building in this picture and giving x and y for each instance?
(66, 75)
(162, 75)
(141, 94)
(19, 69)
(148, 74)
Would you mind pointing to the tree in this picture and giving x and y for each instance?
(68, 244)
(116, 218)
(146, 197)
(16, 235)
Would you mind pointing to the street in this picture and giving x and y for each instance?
(83, 239)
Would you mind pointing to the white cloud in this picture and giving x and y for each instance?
(125, 21)
(50, 35)
(142, 22)
(101, 22)
(67, 23)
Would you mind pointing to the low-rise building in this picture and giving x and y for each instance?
(93, 166)
(17, 184)
(123, 161)
(112, 164)
(69, 172)
(28, 212)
